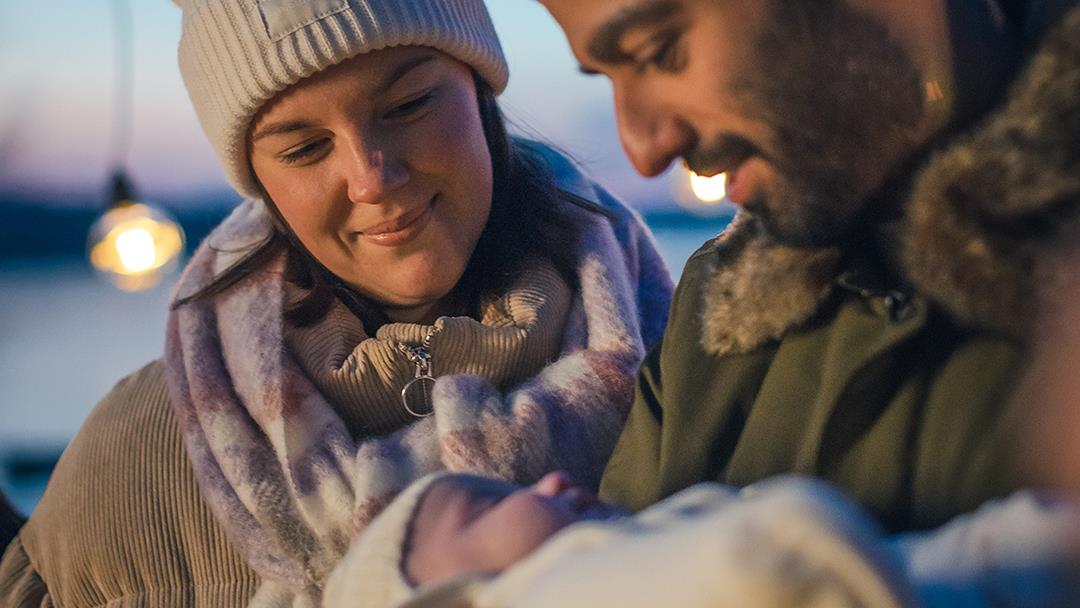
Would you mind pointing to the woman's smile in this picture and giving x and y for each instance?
(400, 189)
(401, 229)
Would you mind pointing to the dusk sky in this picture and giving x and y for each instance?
(56, 106)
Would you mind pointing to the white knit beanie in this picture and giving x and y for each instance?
(235, 55)
(371, 574)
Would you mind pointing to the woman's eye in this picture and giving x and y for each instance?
(306, 152)
(411, 107)
(665, 57)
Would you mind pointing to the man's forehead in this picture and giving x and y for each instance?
(596, 25)
(590, 14)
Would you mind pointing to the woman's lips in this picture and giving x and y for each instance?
(401, 230)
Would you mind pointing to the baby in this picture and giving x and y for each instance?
(453, 540)
(462, 540)
(470, 525)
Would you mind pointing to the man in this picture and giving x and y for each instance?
(857, 322)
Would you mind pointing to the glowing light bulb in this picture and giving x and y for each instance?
(136, 249)
(134, 245)
(708, 189)
(705, 197)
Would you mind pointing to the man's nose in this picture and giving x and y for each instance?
(373, 173)
(652, 135)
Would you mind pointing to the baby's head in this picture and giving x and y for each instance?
(466, 524)
(448, 526)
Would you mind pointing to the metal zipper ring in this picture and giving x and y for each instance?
(424, 384)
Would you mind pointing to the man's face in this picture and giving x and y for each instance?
(806, 106)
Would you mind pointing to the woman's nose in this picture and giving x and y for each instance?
(554, 483)
(373, 175)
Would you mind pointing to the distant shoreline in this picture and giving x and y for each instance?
(32, 227)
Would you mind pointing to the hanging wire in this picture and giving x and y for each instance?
(123, 83)
(134, 244)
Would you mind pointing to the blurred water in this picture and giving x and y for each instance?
(677, 243)
(66, 337)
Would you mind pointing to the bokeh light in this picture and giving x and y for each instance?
(708, 189)
(703, 196)
(135, 245)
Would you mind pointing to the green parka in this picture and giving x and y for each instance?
(887, 368)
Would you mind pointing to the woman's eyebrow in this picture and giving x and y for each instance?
(401, 70)
(279, 128)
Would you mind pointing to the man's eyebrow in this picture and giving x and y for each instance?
(606, 44)
(399, 72)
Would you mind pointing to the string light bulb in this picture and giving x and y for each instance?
(134, 244)
(708, 189)
(705, 196)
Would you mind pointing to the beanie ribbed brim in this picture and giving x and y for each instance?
(235, 55)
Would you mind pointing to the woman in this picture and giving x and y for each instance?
(405, 290)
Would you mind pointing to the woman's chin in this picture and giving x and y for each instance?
(419, 308)
(407, 292)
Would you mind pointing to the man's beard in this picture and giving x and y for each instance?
(843, 102)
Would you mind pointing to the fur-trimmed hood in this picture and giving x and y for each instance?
(980, 233)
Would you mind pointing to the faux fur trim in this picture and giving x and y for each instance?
(983, 224)
(757, 289)
(987, 215)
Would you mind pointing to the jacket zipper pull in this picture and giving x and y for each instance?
(899, 305)
(416, 394)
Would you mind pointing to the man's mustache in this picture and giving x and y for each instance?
(721, 155)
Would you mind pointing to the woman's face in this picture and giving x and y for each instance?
(381, 169)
